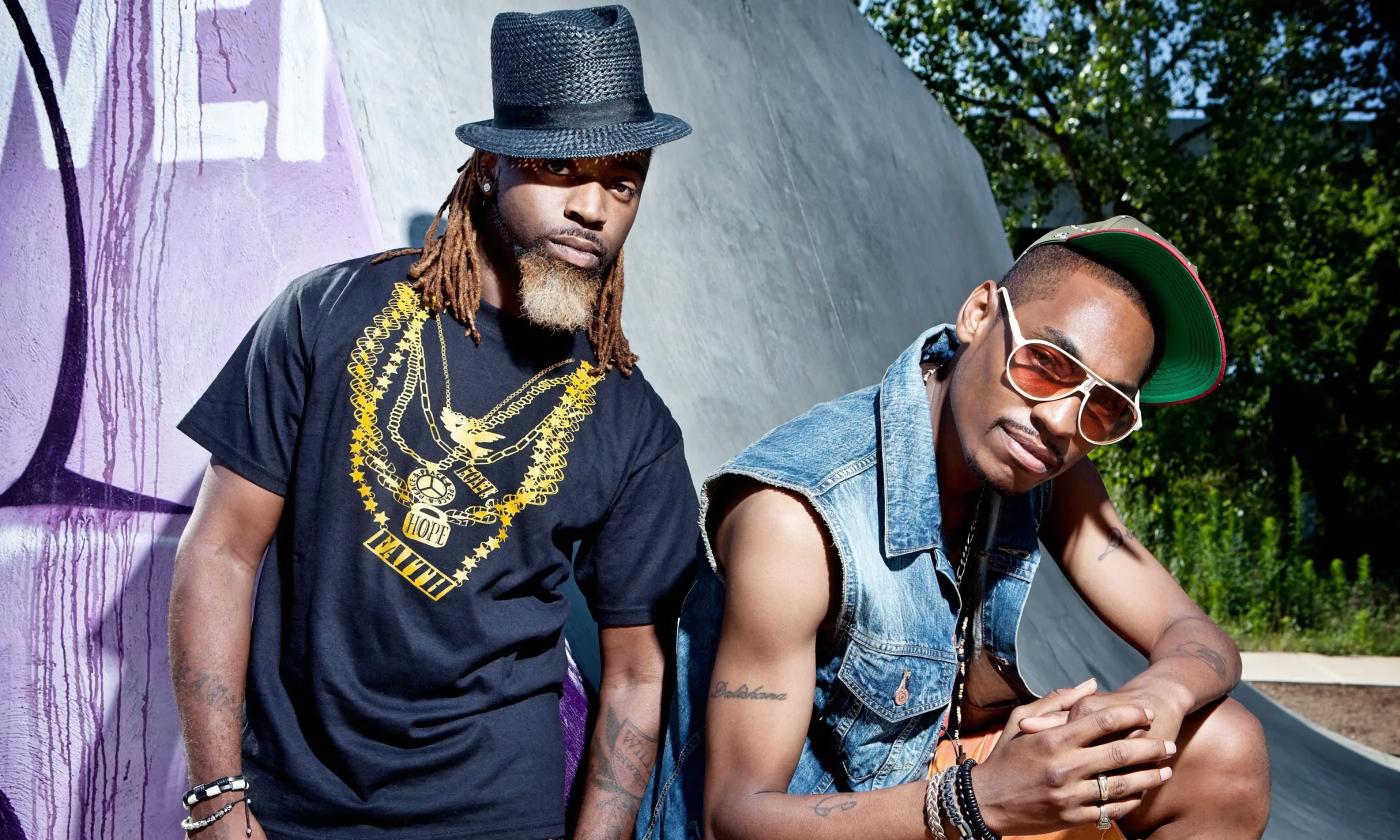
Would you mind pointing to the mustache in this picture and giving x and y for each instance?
(604, 255)
(1007, 422)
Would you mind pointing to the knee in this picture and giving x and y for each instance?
(1236, 740)
(1229, 744)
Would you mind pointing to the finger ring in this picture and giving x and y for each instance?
(1103, 824)
(1103, 788)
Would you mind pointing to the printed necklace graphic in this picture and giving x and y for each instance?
(428, 488)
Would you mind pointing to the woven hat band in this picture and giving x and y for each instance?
(572, 115)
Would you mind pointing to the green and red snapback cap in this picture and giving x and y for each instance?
(1193, 344)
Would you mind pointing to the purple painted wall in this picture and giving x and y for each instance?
(166, 167)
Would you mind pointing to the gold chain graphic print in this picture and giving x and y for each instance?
(417, 513)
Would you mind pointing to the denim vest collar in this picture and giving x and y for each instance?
(913, 519)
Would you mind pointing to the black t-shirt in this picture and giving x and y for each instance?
(407, 656)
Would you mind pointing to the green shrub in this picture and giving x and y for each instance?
(1255, 577)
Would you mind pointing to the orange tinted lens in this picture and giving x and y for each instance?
(1044, 371)
(1106, 416)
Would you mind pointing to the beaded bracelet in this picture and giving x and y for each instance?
(968, 800)
(209, 790)
(951, 808)
(191, 825)
(933, 817)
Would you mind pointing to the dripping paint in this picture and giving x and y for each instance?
(167, 166)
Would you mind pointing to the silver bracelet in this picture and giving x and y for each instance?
(933, 817)
(190, 824)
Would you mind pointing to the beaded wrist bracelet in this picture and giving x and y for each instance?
(968, 800)
(209, 790)
(190, 825)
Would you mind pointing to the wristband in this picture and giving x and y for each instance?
(933, 817)
(209, 790)
(968, 800)
(951, 808)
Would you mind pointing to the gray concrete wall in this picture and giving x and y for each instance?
(824, 212)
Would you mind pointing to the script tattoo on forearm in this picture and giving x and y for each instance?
(205, 688)
(828, 805)
(621, 765)
(1117, 538)
(743, 692)
(1196, 650)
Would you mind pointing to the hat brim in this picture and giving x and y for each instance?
(1193, 347)
(598, 141)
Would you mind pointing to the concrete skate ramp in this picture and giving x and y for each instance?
(824, 212)
(1322, 787)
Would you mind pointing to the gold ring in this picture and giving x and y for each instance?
(1103, 824)
(1103, 788)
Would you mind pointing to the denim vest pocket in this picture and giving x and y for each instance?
(891, 703)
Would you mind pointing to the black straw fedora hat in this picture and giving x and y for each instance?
(568, 84)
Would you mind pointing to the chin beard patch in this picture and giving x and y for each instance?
(556, 295)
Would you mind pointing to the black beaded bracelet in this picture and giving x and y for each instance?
(968, 800)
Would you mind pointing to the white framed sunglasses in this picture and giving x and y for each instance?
(1044, 372)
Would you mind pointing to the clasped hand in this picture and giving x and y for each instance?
(1043, 773)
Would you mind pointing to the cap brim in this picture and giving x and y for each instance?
(599, 141)
(1193, 347)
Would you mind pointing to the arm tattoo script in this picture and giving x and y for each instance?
(1117, 538)
(621, 766)
(743, 692)
(1196, 650)
(206, 689)
(828, 805)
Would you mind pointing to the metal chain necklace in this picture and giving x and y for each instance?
(965, 611)
(964, 637)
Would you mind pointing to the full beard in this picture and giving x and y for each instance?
(555, 295)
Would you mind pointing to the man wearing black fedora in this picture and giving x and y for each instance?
(437, 437)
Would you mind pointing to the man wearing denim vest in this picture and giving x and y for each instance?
(849, 667)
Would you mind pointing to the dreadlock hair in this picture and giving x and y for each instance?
(447, 273)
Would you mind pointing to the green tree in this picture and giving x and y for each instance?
(1259, 137)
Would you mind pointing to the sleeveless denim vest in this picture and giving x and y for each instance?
(865, 464)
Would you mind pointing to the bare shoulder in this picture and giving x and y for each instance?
(757, 514)
(1079, 495)
(773, 550)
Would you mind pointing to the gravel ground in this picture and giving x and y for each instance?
(1364, 713)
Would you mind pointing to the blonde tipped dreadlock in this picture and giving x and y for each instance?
(446, 273)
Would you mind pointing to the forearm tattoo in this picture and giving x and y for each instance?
(1196, 650)
(1117, 538)
(724, 692)
(828, 805)
(205, 688)
(620, 768)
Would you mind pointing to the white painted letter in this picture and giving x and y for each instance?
(79, 91)
(301, 81)
(187, 129)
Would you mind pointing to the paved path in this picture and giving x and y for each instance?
(1276, 666)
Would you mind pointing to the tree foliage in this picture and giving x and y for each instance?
(1260, 138)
